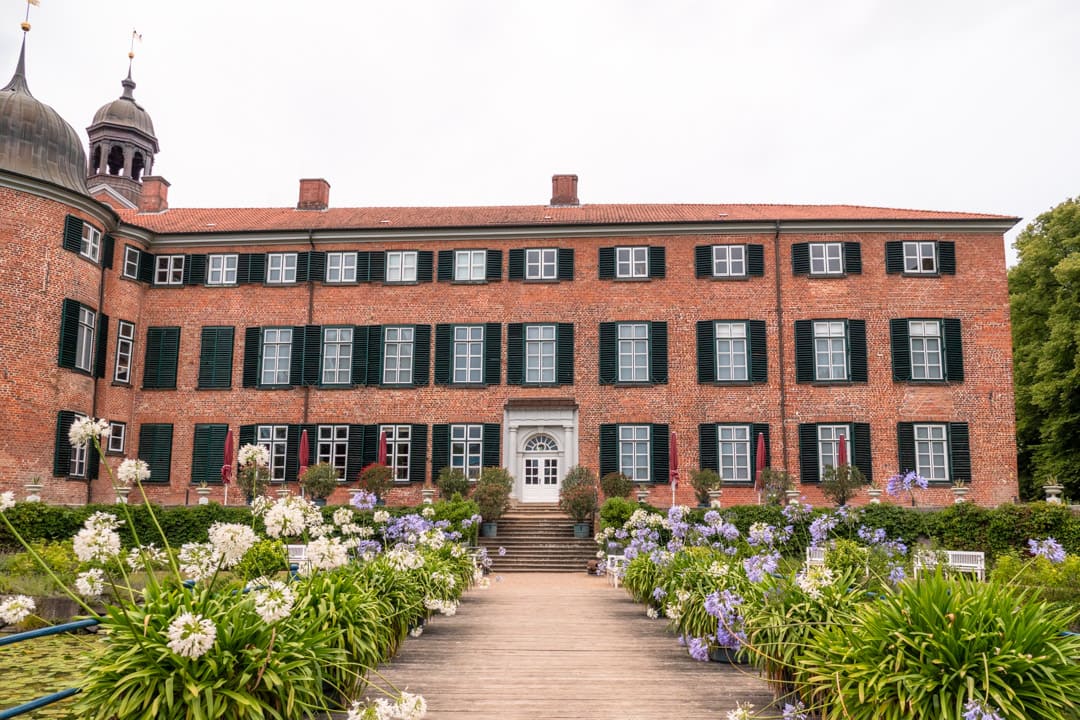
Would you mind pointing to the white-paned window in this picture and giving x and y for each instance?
(84, 347)
(932, 452)
(275, 438)
(540, 354)
(920, 257)
(398, 355)
(117, 437)
(830, 350)
(632, 262)
(826, 258)
(469, 354)
(734, 452)
(633, 352)
(401, 266)
(341, 267)
(333, 447)
(90, 244)
(541, 263)
(729, 260)
(221, 269)
(470, 265)
(169, 270)
(79, 453)
(281, 268)
(125, 345)
(398, 439)
(731, 351)
(276, 356)
(131, 262)
(829, 446)
(467, 449)
(635, 451)
(925, 339)
(337, 355)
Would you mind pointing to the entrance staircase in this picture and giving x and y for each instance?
(538, 538)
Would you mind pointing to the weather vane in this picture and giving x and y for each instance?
(26, 21)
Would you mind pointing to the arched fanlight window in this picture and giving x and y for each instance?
(541, 443)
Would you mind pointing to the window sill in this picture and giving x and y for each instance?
(162, 387)
(213, 387)
(827, 276)
(631, 279)
(469, 282)
(469, 386)
(835, 383)
(400, 282)
(943, 381)
(335, 386)
(935, 274)
(733, 383)
(275, 387)
(335, 283)
(398, 386)
(294, 283)
(541, 281)
(727, 278)
(636, 383)
(221, 285)
(117, 383)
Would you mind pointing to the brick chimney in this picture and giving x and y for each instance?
(564, 190)
(314, 194)
(154, 196)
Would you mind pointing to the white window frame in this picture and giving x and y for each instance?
(332, 447)
(932, 451)
(732, 351)
(275, 438)
(729, 261)
(117, 437)
(401, 266)
(221, 268)
(85, 345)
(635, 452)
(132, 257)
(340, 267)
(927, 348)
(468, 354)
(827, 258)
(125, 350)
(829, 335)
(541, 351)
(169, 270)
(467, 449)
(337, 354)
(733, 453)
(632, 262)
(280, 268)
(829, 446)
(633, 360)
(273, 367)
(920, 257)
(399, 348)
(90, 242)
(79, 454)
(398, 450)
(542, 264)
(470, 265)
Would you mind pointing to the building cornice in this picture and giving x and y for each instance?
(94, 208)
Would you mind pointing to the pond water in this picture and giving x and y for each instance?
(42, 666)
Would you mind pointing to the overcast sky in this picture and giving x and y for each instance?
(965, 105)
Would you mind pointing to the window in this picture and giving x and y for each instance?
(281, 268)
(337, 356)
(275, 439)
(169, 270)
(920, 257)
(466, 449)
(729, 260)
(541, 264)
(90, 246)
(131, 262)
(927, 350)
(731, 351)
(84, 349)
(117, 438)
(221, 269)
(932, 452)
(632, 262)
(925, 338)
(830, 350)
(940, 452)
(734, 452)
(162, 356)
(540, 354)
(398, 440)
(125, 347)
(276, 356)
(401, 266)
(826, 258)
(469, 354)
(470, 265)
(79, 453)
(829, 446)
(398, 355)
(333, 447)
(635, 452)
(633, 352)
(340, 268)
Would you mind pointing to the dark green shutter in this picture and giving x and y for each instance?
(354, 453)
(303, 267)
(215, 357)
(446, 266)
(257, 268)
(363, 266)
(658, 352)
(492, 353)
(378, 267)
(609, 353)
(296, 356)
(894, 257)
(703, 261)
(208, 453)
(440, 449)
(292, 449)
(565, 269)
(252, 354)
(857, 349)
(564, 353)
(423, 266)
(62, 448)
(606, 263)
(905, 446)
(804, 351)
(374, 354)
(759, 358)
(492, 452)
(73, 228)
(808, 454)
(706, 351)
(800, 259)
(515, 353)
(162, 355)
(661, 462)
(444, 353)
(494, 266)
(246, 436)
(708, 448)
(954, 349)
(946, 257)
(360, 357)
(155, 449)
(108, 249)
(421, 355)
(102, 340)
(69, 333)
(657, 262)
(146, 267)
(313, 342)
(755, 260)
(959, 451)
(371, 444)
(609, 449)
(243, 268)
(417, 453)
(755, 430)
(862, 453)
(515, 268)
(317, 266)
(900, 340)
(194, 269)
(852, 258)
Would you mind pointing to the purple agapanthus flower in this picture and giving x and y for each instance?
(757, 567)
(905, 482)
(821, 527)
(659, 594)
(796, 512)
(363, 500)
(723, 605)
(699, 649)
(1048, 548)
(976, 710)
(795, 712)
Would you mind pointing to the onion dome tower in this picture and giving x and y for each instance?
(34, 140)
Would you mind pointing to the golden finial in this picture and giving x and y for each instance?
(26, 22)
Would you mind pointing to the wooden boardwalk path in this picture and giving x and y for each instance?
(542, 646)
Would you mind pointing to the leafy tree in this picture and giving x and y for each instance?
(1044, 295)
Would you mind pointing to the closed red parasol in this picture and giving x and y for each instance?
(841, 451)
(382, 448)
(759, 462)
(227, 463)
(673, 465)
(304, 453)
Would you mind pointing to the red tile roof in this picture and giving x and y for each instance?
(210, 220)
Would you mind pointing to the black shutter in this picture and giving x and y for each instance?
(371, 445)
(446, 266)
(62, 449)
(852, 258)
(444, 351)
(658, 352)
(755, 430)
(606, 263)
(195, 270)
(246, 436)
(102, 340)
(162, 354)
(421, 355)
(215, 357)
(565, 261)
(417, 453)
(440, 449)
(905, 446)
(108, 249)
(73, 227)
(609, 449)
(317, 266)
(378, 267)
(808, 454)
(146, 267)
(800, 259)
(804, 351)
(155, 449)
(363, 266)
(755, 260)
(515, 268)
(954, 349)
(374, 354)
(423, 266)
(706, 351)
(759, 358)
(360, 356)
(257, 268)
(564, 353)
(708, 449)
(252, 353)
(862, 453)
(657, 262)
(354, 453)
(894, 257)
(609, 353)
(901, 349)
(946, 257)
(243, 268)
(303, 267)
(313, 341)
(703, 262)
(492, 452)
(208, 453)
(661, 459)
(69, 333)
(292, 450)
(494, 266)
(515, 353)
(296, 356)
(959, 451)
(492, 353)
(857, 348)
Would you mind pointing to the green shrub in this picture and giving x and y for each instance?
(963, 526)
(616, 485)
(452, 481)
(641, 578)
(320, 480)
(898, 522)
(492, 493)
(1058, 582)
(20, 572)
(577, 496)
(265, 558)
(377, 479)
(841, 483)
(703, 481)
(616, 511)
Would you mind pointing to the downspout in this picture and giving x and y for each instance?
(310, 317)
(780, 348)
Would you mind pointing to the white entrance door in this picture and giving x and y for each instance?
(541, 469)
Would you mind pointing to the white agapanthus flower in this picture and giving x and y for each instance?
(407, 707)
(445, 607)
(191, 635)
(15, 609)
(102, 521)
(403, 558)
(273, 600)
(741, 712)
(434, 539)
(96, 544)
(85, 429)
(652, 613)
(146, 556)
(428, 512)
(260, 505)
(286, 518)
(381, 516)
(326, 553)
(133, 472)
(457, 551)
(343, 516)
(231, 540)
(7, 500)
(257, 454)
(416, 631)
(813, 579)
(198, 561)
(90, 583)
(443, 578)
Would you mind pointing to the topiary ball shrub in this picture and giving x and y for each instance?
(616, 511)
(616, 485)
(265, 558)
(452, 480)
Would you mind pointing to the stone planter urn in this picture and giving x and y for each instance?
(428, 495)
(283, 492)
(792, 497)
(204, 495)
(122, 493)
(33, 491)
(875, 495)
(714, 497)
(1053, 493)
(959, 493)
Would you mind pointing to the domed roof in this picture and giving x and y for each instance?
(34, 139)
(125, 112)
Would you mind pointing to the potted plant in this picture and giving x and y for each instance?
(377, 479)
(203, 491)
(1053, 489)
(579, 499)
(319, 481)
(776, 483)
(841, 482)
(959, 491)
(615, 484)
(254, 473)
(452, 481)
(707, 486)
(492, 497)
